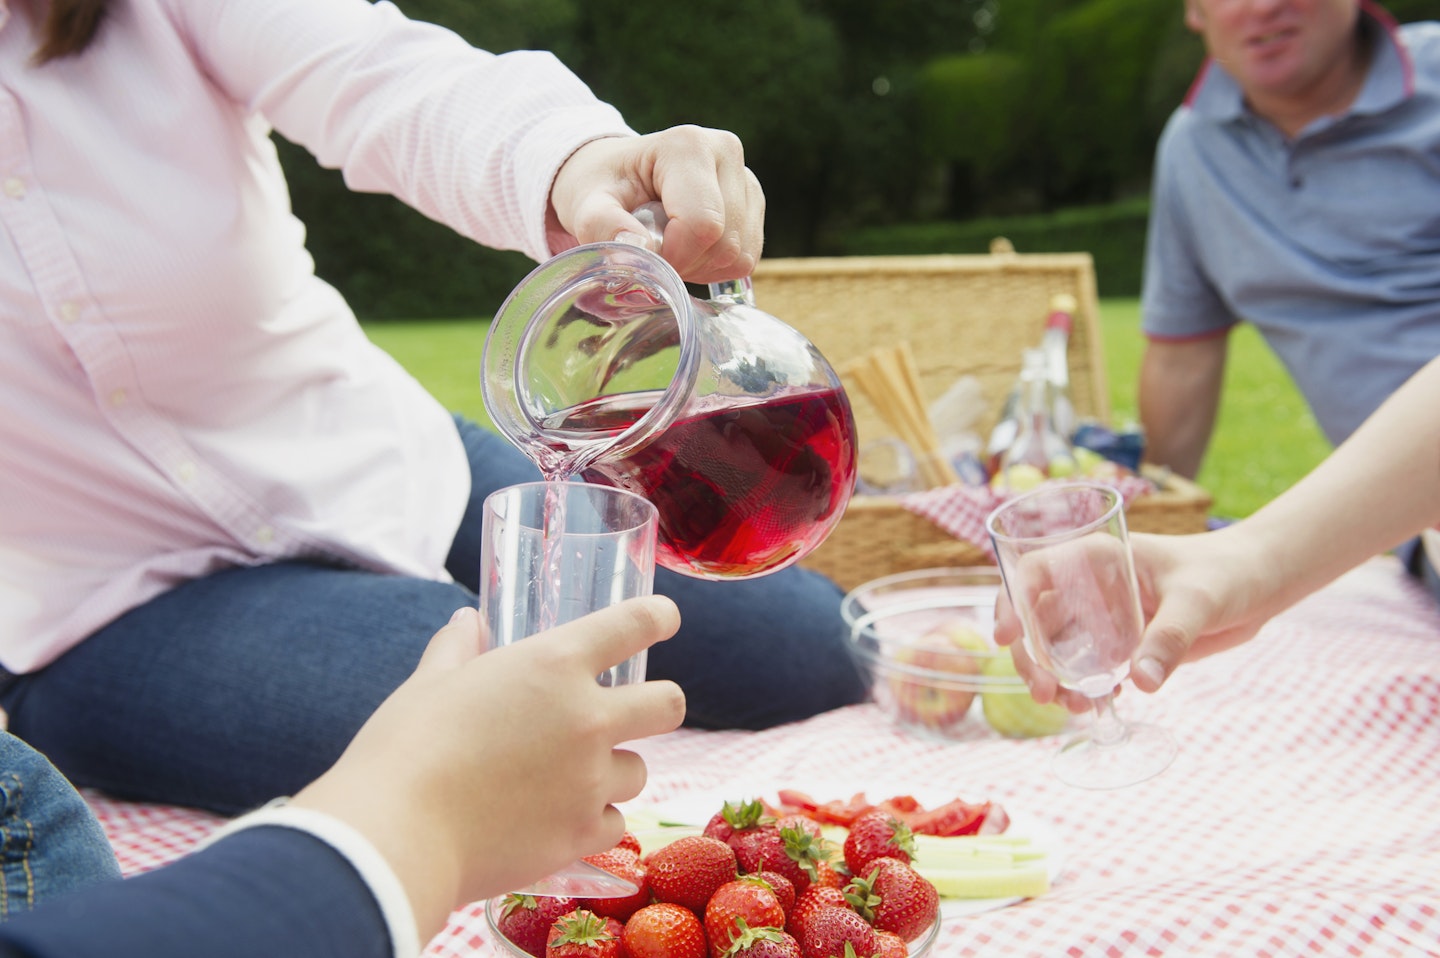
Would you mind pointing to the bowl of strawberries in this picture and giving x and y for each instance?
(749, 884)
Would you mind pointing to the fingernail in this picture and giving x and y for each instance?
(464, 612)
(631, 238)
(1151, 669)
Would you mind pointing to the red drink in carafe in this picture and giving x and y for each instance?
(742, 488)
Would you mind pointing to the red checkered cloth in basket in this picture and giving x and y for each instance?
(962, 510)
(1299, 818)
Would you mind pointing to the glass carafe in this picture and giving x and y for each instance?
(601, 366)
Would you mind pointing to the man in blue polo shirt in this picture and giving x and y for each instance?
(1297, 189)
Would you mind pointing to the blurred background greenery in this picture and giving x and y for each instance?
(876, 127)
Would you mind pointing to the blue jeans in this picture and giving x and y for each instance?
(1421, 565)
(50, 842)
(246, 684)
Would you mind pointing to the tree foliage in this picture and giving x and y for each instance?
(855, 114)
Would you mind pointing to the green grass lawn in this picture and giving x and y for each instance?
(1265, 439)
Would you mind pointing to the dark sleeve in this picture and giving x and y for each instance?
(265, 892)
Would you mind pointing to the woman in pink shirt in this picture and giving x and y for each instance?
(228, 522)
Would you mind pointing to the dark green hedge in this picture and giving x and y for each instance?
(1114, 235)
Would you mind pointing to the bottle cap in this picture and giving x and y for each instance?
(1062, 312)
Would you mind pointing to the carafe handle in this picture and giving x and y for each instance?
(652, 216)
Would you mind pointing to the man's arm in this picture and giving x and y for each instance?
(263, 891)
(1180, 383)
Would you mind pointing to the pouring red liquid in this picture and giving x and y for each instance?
(741, 489)
(602, 367)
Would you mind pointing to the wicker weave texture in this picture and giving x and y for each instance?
(963, 315)
(877, 537)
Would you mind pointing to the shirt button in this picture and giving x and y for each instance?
(118, 397)
(14, 187)
(186, 471)
(264, 535)
(69, 311)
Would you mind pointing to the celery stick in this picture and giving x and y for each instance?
(937, 841)
(979, 860)
(1028, 881)
(653, 830)
(979, 849)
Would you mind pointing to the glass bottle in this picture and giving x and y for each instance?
(1055, 343)
(1039, 450)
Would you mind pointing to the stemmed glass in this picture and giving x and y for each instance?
(552, 552)
(1064, 553)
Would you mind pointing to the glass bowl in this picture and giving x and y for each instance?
(919, 947)
(924, 640)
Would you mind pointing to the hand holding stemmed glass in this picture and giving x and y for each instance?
(1064, 553)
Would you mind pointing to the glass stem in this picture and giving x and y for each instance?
(1106, 729)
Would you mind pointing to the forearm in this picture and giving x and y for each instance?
(263, 891)
(469, 138)
(1179, 397)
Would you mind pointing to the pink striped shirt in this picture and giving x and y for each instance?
(178, 391)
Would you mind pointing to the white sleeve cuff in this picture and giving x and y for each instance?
(355, 848)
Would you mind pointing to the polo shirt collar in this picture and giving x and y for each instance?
(1390, 80)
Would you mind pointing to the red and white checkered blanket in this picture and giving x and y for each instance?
(1299, 819)
(962, 510)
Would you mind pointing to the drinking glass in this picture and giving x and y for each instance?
(1064, 553)
(552, 552)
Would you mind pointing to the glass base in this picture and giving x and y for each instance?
(1144, 752)
(580, 879)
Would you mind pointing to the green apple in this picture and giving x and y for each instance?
(1019, 477)
(966, 637)
(1015, 714)
(1062, 466)
(1087, 459)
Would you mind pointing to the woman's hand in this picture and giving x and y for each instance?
(714, 203)
(1200, 594)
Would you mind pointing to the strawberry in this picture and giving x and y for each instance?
(664, 930)
(735, 817)
(783, 888)
(890, 945)
(894, 897)
(801, 822)
(764, 943)
(825, 874)
(828, 931)
(689, 869)
(877, 835)
(584, 934)
(629, 842)
(622, 863)
(738, 905)
(813, 898)
(792, 852)
(526, 920)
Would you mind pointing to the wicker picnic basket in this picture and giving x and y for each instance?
(962, 314)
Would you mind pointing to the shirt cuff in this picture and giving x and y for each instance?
(390, 895)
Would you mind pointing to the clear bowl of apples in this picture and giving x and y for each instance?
(924, 640)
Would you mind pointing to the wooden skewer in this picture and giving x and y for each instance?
(891, 380)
